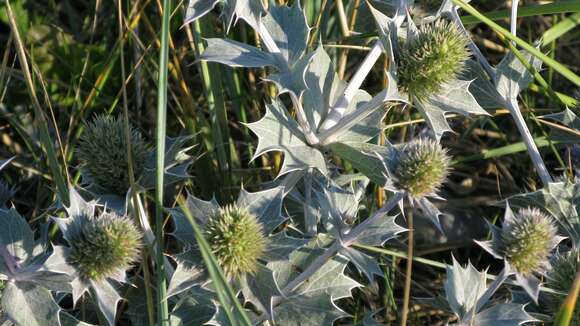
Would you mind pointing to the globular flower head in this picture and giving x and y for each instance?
(526, 241)
(560, 278)
(237, 240)
(431, 59)
(421, 167)
(103, 246)
(103, 153)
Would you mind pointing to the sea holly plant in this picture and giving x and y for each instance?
(101, 247)
(102, 152)
(467, 295)
(525, 243)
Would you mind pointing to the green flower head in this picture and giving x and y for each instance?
(103, 153)
(560, 278)
(237, 239)
(526, 241)
(104, 245)
(421, 167)
(434, 57)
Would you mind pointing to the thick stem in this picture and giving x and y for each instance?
(339, 108)
(311, 138)
(514, 17)
(267, 39)
(529, 141)
(348, 240)
(408, 269)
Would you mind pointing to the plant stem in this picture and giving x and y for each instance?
(348, 240)
(514, 17)
(161, 277)
(339, 108)
(529, 141)
(409, 268)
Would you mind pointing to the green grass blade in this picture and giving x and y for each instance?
(161, 277)
(560, 28)
(230, 303)
(564, 71)
(40, 118)
(564, 317)
(558, 7)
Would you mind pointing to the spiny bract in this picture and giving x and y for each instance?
(103, 153)
(433, 58)
(527, 239)
(421, 168)
(237, 239)
(561, 276)
(104, 245)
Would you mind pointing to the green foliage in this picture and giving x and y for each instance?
(565, 266)
(421, 167)
(104, 245)
(435, 56)
(103, 153)
(526, 240)
(237, 240)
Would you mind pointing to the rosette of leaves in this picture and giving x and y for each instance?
(525, 243)
(27, 297)
(240, 235)
(311, 81)
(565, 266)
(428, 65)
(467, 295)
(100, 249)
(104, 164)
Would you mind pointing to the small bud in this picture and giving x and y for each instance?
(421, 168)
(103, 153)
(104, 245)
(561, 276)
(527, 239)
(237, 240)
(433, 58)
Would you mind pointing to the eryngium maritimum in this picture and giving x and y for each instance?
(560, 278)
(103, 246)
(434, 57)
(237, 240)
(103, 153)
(421, 168)
(527, 239)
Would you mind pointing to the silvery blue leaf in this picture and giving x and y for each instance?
(201, 210)
(363, 262)
(16, 241)
(503, 314)
(281, 245)
(248, 10)
(184, 278)
(512, 76)
(453, 97)
(196, 308)
(380, 231)
(387, 28)
(260, 289)
(25, 303)
(107, 299)
(236, 54)
(289, 30)
(362, 157)
(530, 284)
(482, 87)
(464, 287)
(569, 119)
(278, 132)
(291, 79)
(266, 205)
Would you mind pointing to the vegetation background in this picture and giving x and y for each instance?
(79, 63)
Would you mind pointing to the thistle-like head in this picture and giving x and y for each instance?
(436, 56)
(560, 278)
(104, 245)
(103, 153)
(421, 167)
(237, 240)
(526, 241)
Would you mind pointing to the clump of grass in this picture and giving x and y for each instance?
(103, 154)
(436, 56)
